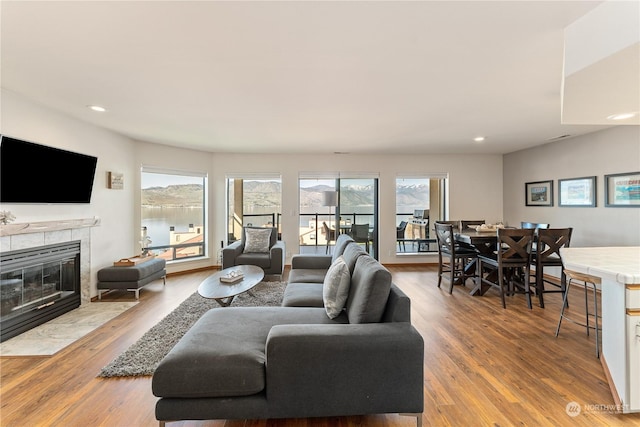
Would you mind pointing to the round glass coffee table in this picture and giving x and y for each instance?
(223, 292)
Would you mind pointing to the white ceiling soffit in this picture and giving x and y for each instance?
(602, 66)
(378, 77)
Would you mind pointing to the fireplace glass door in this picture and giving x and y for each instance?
(36, 287)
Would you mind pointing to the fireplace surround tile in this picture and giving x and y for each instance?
(59, 236)
(31, 235)
(26, 241)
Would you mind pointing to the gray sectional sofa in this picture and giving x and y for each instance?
(294, 361)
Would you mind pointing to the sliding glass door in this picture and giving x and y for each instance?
(420, 201)
(333, 206)
(358, 211)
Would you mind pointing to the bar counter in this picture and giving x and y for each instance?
(619, 269)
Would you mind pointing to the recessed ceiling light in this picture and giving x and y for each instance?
(621, 116)
(479, 138)
(97, 108)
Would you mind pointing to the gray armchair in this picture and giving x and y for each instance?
(270, 259)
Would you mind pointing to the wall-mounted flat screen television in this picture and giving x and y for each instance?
(34, 173)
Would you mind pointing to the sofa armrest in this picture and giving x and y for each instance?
(230, 252)
(311, 261)
(277, 254)
(345, 369)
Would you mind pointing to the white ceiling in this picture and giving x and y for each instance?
(299, 77)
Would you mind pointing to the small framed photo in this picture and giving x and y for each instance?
(577, 192)
(622, 190)
(539, 193)
(115, 180)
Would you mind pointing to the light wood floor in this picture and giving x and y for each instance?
(484, 366)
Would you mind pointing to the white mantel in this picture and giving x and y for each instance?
(33, 234)
(44, 226)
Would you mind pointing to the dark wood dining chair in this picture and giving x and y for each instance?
(360, 234)
(547, 254)
(452, 258)
(400, 231)
(329, 234)
(534, 225)
(510, 264)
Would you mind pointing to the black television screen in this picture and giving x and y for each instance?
(34, 173)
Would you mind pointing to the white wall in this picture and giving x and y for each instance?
(610, 151)
(111, 240)
(475, 183)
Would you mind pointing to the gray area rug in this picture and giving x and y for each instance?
(142, 357)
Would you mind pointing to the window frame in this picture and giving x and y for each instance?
(234, 225)
(440, 212)
(177, 252)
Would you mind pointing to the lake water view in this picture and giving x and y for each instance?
(158, 221)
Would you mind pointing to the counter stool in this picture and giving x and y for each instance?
(588, 280)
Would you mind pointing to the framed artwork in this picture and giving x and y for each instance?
(577, 192)
(539, 193)
(622, 190)
(115, 180)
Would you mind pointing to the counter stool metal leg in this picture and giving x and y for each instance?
(564, 305)
(588, 280)
(596, 316)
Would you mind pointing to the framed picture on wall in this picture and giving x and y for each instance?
(622, 190)
(577, 192)
(539, 193)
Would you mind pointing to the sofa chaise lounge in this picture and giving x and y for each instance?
(295, 361)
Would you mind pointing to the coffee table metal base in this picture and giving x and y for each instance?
(226, 302)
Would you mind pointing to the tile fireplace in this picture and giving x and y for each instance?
(58, 279)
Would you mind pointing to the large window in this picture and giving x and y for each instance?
(420, 201)
(174, 213)
(253, 201)
(332, 206)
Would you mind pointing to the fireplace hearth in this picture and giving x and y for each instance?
(38, 284)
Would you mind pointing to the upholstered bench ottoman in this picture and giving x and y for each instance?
(131, 278)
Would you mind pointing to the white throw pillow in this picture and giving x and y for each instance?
(335, 288)
(256, 240)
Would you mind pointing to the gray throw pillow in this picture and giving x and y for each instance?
(368, 292)
(335, 288)
(257, 240)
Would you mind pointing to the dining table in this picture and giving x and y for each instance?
(483, 240)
